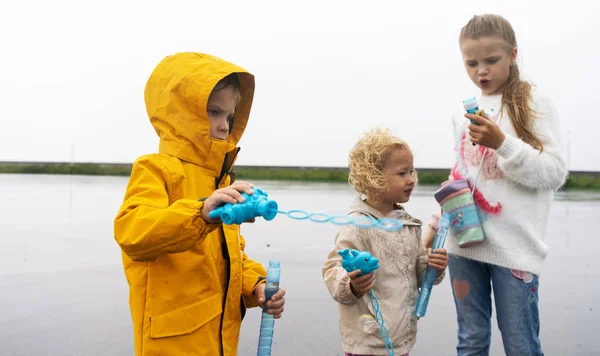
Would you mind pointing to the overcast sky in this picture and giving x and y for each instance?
(72, 73)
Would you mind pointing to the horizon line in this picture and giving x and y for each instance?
(241, 165)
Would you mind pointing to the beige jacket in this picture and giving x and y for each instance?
(402, 265)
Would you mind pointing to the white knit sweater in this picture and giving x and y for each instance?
(521, 179)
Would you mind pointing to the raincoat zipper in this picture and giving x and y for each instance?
(224, 250)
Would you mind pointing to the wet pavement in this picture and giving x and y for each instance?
(63, 291)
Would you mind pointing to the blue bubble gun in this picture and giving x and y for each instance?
(267, 321)
(366, 263)
(430, 272)
(255, 205)
(353, 260)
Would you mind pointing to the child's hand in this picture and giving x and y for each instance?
(275, 305)
(438, 259)
(485, 132)
(428, 237)
(231, 194)
(361, 284)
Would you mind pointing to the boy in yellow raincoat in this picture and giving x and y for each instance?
(189, 278)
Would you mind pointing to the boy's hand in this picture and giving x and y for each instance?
(231, 194)
(438, 259)
(485, 131)
(361, 284)
(275, 305)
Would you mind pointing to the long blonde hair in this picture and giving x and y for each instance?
(516, 94)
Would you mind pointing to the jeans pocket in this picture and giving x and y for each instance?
(526, 277)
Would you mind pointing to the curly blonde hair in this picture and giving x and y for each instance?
(367, 158)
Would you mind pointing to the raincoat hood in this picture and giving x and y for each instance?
(176, 96)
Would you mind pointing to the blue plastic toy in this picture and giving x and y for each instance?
(431, 272)
(267, 321)
(258, 204)
(353, 260)
(255, 205)
(472, 107)
(366, 263)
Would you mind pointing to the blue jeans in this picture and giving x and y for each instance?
(516, 302)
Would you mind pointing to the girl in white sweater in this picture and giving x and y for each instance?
(523, 166)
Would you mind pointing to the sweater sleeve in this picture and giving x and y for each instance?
(335, 276)
(527, 166)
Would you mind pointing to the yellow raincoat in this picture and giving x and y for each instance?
(190, 282)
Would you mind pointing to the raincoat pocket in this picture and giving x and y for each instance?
(187, 319)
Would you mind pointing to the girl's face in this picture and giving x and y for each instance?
(487, 61)
(399, 173)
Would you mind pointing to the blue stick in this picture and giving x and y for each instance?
(430, 273)
(267, 322)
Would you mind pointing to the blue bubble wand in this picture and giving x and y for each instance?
(267, 321)
(431, 272)
(259, 204)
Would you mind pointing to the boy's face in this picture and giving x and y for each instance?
(399, 173)
(220, 109)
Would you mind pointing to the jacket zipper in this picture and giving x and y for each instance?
(227, 165)
(224, 250)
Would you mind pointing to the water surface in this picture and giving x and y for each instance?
(63, 291)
